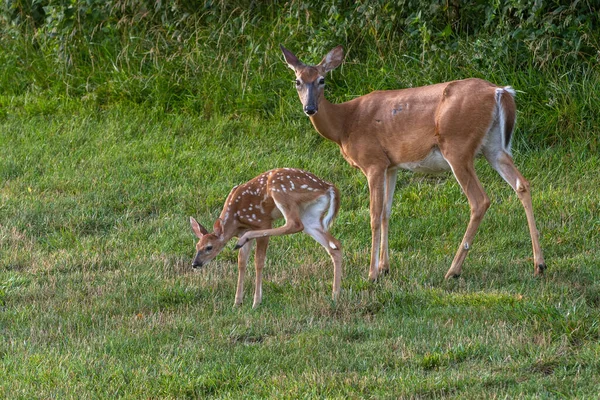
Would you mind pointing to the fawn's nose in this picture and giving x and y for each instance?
(196, 264)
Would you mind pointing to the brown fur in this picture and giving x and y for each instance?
(250, 210)
(427, 128)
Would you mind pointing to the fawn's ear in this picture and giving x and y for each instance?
(198, 229)
(218, 227)
(292, 61)
(332, 60)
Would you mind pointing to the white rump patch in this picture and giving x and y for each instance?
(329, 216)
(312, 213)
(510, 90)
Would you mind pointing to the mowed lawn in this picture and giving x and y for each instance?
(98, 298)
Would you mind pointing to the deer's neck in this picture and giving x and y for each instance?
(229, 222)
(329, 121)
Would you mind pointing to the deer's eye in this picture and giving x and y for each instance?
(321, 81)
(208, 248)
(298, 83)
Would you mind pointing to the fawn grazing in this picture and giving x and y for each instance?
(424, 129)
(306, 202)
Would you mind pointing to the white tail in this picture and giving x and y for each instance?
(306, 202)
(424, 129)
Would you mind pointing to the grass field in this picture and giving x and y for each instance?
(119, 119)
(98, 300)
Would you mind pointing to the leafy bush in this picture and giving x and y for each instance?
(222, 57)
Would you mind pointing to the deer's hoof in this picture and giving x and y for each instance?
(452, 275)
(540, 269)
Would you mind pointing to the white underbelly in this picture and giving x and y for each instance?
(433, 163)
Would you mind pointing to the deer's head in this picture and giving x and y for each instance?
(209, 244)
(310, 79)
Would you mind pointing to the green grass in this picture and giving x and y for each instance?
(98, 300)
(120, 119)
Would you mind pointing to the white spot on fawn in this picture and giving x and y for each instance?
(333, 246)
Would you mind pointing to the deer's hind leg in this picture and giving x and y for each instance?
(479, 202)
(502, 162)
(313, 226)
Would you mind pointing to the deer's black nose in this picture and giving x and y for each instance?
(196, 264)
(310, 110)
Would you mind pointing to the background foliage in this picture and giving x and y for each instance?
(222, 57)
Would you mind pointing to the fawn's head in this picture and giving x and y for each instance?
(209, 244)
(310, 80)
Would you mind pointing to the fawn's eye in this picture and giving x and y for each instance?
(321, 81)
(208, 248)
(298, 82)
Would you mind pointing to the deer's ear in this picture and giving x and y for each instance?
(198, 229)
(292, 61)
(332, 60)
(218, 227)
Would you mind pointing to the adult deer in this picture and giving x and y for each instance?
(425, 129)
(306, 202)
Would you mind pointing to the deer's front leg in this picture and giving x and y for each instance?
(376, 181)
(259, 263)
(243, 256)
(390, 186)
(293, 224)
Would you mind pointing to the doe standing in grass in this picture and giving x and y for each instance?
(306, 202)
(424, 129)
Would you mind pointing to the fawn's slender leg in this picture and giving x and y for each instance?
(243, 256)
(293, 224)
(259, 262)
(334, 249)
